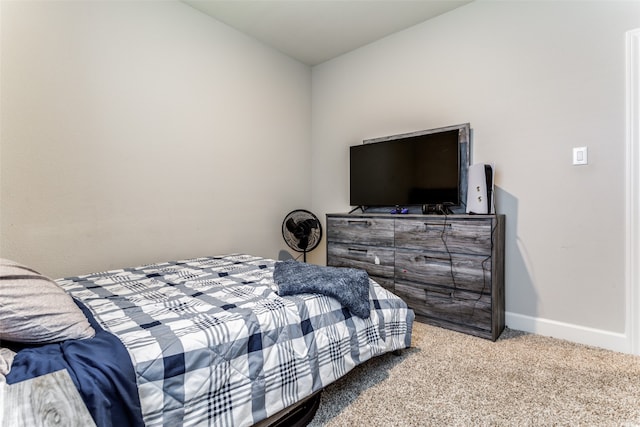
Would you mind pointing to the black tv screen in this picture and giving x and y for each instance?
(422, 168)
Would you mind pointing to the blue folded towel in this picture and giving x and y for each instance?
(350, 286)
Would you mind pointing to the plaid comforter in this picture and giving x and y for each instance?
(212, 343)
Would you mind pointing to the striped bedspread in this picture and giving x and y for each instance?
(213, 344)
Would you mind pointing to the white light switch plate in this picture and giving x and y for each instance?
(580, 156)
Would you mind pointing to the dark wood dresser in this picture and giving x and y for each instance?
(449, 269)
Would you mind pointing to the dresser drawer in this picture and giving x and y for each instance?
(468, 272)
(377, 262)
(445, 235)
(360, 230)
(450, 305)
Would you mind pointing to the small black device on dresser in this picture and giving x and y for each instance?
(437, 209)
(448, 268)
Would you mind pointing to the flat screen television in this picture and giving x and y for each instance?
(428, 167)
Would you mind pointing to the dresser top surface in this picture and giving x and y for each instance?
(412, 216)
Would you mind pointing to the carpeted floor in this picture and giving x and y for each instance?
(451, 379)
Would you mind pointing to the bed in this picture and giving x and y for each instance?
(204, 341)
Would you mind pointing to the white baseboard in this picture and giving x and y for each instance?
(594, 337)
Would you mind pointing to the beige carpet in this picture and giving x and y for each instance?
(452, 379)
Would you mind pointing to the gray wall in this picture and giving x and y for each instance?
(134, 132)
(534, 79)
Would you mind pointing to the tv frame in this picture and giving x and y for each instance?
(464, 142)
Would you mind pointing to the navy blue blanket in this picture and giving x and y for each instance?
(350, 286)
(100, 368)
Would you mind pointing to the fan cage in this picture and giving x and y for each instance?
(315, 235)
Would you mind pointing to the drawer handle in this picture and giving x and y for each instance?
(428, 258)
(446, 225)
(364, 251)
(439, 294)
(358, 222)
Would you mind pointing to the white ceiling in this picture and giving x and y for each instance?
(313, 31)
